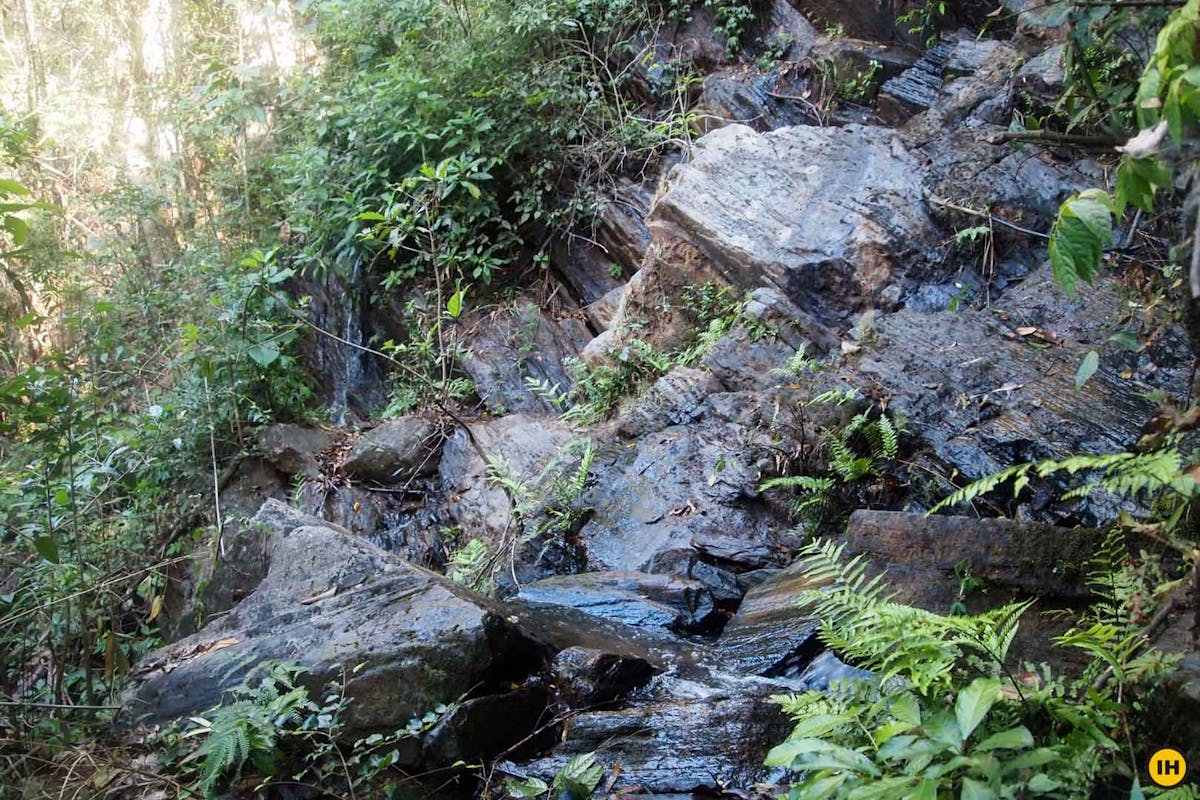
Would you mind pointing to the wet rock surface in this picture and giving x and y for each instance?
(654, 628)
(407, 639)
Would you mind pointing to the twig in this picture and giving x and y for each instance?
(989, 216)
(1054, 137)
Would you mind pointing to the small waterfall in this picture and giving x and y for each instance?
(348, 373)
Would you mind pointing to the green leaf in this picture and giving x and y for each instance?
(8, 186)
(454, 306)
(1087, 368)
(974, 790)
(530, 787)
(264, 353)
(47, 548)
(973, 704)
(1042, 784)
(906, 708)
(1011, 739)
(1080, 234)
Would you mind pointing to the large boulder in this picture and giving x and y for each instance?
(506, 347)
(828, 216)
(403, 639)
(293, 449)
(680, 491)
(631, 598)
(230, 566)
(684, 746)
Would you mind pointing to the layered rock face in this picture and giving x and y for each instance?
(663, 608)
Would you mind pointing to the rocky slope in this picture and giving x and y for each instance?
(653, 626)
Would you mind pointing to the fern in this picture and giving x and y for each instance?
(1130, 476)
(860, 621)
(248, 728)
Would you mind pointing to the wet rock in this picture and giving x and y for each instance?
(674, 399)
(1028, 557)
(471, 732)
(587, 678)
(293, 449)
(983, 398)
(684, 488)
(527, 342)
(917, 88)
(771, 634)
(332, 602)
(696, 745)
(527, 442)
(395, 451)
(828, 216)
(630, 598)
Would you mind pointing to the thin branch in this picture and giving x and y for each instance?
(990, 217)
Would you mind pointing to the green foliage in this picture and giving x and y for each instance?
(248, 728)
(922, 20)
(855, 451)
(1167, 102)
(577, 780)
(273, 730)
(1153, 475)
(1077, 241)
(940, 714)
(545, 509)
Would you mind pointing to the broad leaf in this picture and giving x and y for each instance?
(1080, 234)
(973, 704)
(1011, 739)
(1087, 368)
(47, 548)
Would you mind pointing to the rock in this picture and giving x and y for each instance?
(771, 635)
(749, 98)
(917, 88)
(674, 399)
(969, 55)
(588, 678)
(922, 553)
(602, 312)
(407, 639)
(622, 231)
(527, 342)
(293, 449)
(770, 332)
(395, 451)
(630, 598)
(973, 388)
(828, 216)
(861, 19)
(406, 524)
(700, 745)
(527, 442)
(684, 489)
(482, 728)
(1041, 78)
(230, 571)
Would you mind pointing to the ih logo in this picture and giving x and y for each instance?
(1167, 767)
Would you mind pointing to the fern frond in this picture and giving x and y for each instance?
(1018, 473)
